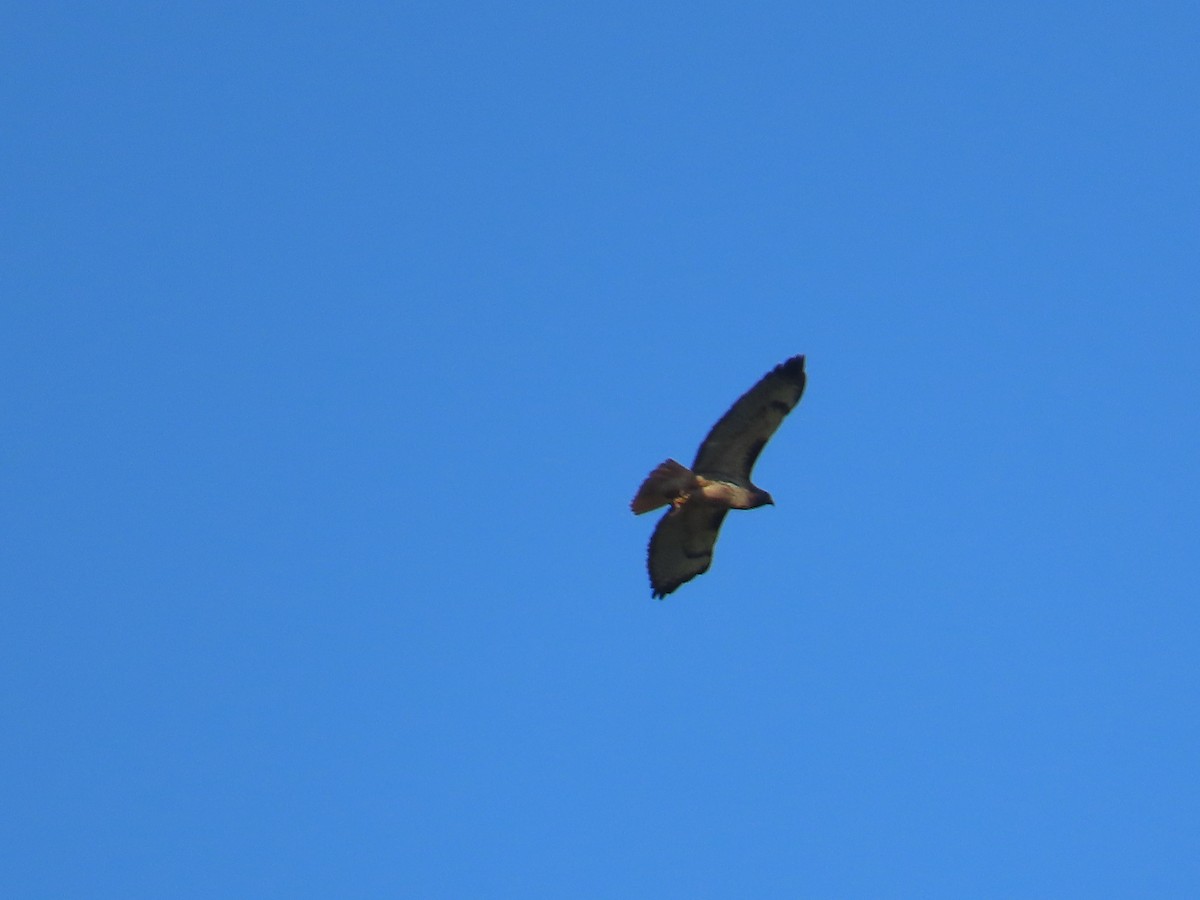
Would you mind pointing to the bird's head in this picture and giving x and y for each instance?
(762, 498)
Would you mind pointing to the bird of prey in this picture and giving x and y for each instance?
(718, 481)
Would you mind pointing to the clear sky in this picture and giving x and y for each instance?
(336, 338)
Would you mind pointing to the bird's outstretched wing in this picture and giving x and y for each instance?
(682, 546)
(734, 443)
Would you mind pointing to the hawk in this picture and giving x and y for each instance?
(719, 480)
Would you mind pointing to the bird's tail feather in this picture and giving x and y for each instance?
(662, 486)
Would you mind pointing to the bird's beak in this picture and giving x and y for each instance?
(770, 501)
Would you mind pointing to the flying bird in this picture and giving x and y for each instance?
(719, 480)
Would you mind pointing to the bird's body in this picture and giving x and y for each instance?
(675, 484)
(719, 480)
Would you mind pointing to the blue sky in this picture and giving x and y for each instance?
(336, 341)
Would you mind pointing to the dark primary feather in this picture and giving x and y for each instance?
(682, 546)
(734, 443)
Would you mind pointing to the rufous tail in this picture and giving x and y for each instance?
(666, 484)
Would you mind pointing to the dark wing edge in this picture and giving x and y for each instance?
(734, 443)
(682, 546)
